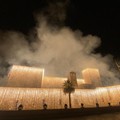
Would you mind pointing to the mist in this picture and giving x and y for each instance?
(57, 49)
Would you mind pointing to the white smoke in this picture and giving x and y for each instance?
(59, 51)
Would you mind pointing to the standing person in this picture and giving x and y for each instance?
(20, 107)
(44, 104)
(65, 106)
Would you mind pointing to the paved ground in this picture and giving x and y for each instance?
(56, 114)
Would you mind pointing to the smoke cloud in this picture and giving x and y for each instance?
(58, 50)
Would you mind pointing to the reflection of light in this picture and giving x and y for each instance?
(32, 98)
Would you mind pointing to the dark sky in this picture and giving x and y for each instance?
(101, 19)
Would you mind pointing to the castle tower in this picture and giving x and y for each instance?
(24, 76)
(72, 77)
(92, 76)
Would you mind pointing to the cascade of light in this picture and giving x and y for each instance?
(91, 76)
(33, 98)
(53, 82)
(24, 76)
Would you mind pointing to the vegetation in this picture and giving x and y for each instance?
(68, 88)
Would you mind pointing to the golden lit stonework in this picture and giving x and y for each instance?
(30, 87)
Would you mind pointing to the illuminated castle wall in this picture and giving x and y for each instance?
(29, 86)
(72, 77)
(53, 82)
(23, 76)
(92, 76)
(32, 98)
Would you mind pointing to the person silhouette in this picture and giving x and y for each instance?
(97, 104)
(45, 106)
(20, 107)
(109, 104)
(82, 105)
(65, 106)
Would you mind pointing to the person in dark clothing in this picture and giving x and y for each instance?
(44, 106)
(65, 106)
(109, 104)
(20, 107)
(82, 105)
(97, 105)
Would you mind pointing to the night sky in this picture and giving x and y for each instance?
(96, 18)
(100, 19)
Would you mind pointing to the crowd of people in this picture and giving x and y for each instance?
(19, 105)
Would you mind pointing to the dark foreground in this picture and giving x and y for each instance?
(56, 114)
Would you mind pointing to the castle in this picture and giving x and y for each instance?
(30, 77)
(29, 86)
